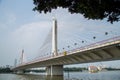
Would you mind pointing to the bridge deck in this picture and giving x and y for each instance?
(101, 51)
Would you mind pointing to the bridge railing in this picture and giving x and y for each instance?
(79, 49)
(95, 45)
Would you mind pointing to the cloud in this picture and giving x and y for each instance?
(7, 21)
(2, 26)
(31, 31)
(11, 18)
(30, 37)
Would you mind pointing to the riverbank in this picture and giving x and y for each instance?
(72, 69)
(105, 75)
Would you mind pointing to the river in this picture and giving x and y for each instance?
(106, 75)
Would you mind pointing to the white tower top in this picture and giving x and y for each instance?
(54, 37)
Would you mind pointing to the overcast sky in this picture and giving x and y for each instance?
(22, 28)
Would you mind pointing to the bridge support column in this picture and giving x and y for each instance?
(48, 70)
(54, 70)
(20, 71)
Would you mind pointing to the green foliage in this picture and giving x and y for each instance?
(74, 69)
(111, 69)
(5, 70)
(90, 9)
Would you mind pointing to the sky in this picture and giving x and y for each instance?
(23, 28)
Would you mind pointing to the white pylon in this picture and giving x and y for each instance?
(22, 55)
(54, 38)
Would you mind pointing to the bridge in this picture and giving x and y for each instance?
(104, 50)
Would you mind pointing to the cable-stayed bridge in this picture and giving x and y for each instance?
(54, 57)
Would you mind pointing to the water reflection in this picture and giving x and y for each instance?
(106, 75)
(39, 77)
(54, 78)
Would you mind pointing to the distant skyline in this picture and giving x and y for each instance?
(22, 28)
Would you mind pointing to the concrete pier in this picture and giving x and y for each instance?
(54, 70)
(20, 71)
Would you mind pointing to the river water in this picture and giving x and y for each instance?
(106, 75)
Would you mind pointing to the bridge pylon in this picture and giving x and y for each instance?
(22, 55)
(54, 37)
(54, 69)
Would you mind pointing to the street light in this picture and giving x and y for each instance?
(94, 37)
(106, 33)
(82, 41)
(75, 44)
(68, 46)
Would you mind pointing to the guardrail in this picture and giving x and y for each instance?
(96, 45)
(110, 41)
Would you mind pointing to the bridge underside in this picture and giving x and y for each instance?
(105, 53)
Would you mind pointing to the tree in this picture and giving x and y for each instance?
(90, 9)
